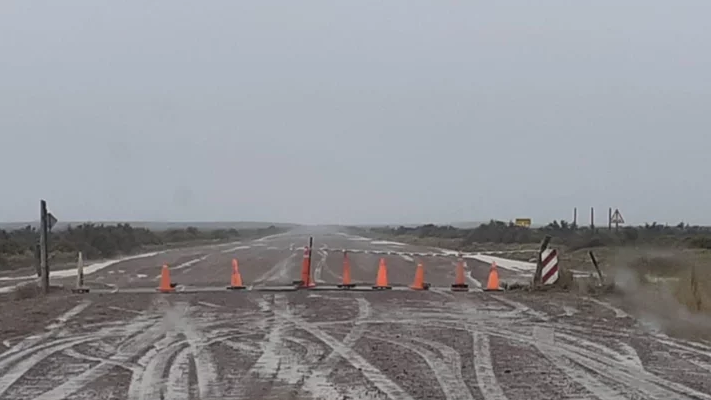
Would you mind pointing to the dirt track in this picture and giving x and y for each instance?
(397, 344)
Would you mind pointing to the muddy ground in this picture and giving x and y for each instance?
(396, 344)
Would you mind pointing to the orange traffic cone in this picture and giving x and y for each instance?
(236, 281)
(459, 284)
(165, 285)
(381, 281)
(305, 280)
(419, 283)
(346, 273)
(493, 283)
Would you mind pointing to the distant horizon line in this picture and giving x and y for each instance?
(297, 224)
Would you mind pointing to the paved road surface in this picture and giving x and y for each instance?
(397, 344)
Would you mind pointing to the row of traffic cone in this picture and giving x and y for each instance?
(166, 286)
(381, 281)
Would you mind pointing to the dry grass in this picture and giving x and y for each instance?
(669, 281)
(31, 290)
(693, 289)
(26, 291)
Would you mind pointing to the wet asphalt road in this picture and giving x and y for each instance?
(398, 344)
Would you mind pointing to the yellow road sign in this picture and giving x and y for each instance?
(525, 222)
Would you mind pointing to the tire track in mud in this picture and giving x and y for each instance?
(484, 368)
(130, 348)
(12, 375)
(20, 363)
(208, 385)
(177, 387)
(623, 367)
(629, 374)
(629, 355)
(639, 381)
(373, 374)
(317, 382)
(267, 369)
(180, 336)
(584, 378)
(697, 354)
(149, 384)
(446, 367)
(50, 330)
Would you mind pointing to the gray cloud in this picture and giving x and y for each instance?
(398, 111)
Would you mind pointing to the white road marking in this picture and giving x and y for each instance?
(232, 250)
(387, 243)
(318, 271)
(279, 270)
(188, 264)
(473, 281)
(407, 258)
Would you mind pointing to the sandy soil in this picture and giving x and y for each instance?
(397, 344)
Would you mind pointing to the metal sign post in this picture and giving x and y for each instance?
(47, 222)
(44, 268)
(617, 219)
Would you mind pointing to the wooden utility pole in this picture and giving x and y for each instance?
(592, 218)
(44, 267)
(575, 218)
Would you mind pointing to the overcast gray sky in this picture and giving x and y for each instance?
(394, 111)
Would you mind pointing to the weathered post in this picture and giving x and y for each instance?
(80, 288)
(597, 267)
(43, 248)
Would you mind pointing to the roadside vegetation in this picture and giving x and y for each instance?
(675, 260)
(564, 233)
(19, 248)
